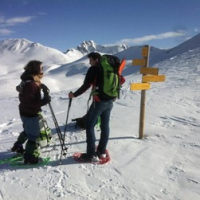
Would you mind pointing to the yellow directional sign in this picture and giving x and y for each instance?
(150, 78)
(139, 62)
(145, 51)
(149, 70)
(140, 86)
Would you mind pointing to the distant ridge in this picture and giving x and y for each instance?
(89, 46)
(190, 44)
(17, 52)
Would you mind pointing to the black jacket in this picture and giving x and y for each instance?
(90, 80)
(29, 96)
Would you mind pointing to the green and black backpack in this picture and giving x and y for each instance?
(45, 132)
(108, 82)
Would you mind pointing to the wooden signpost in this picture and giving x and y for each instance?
(149, 74)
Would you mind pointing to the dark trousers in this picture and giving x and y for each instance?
(102, 109)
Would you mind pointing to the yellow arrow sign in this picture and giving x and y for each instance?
(159, 78)
(149, 70)
(140, 86)
(145, 51)
(139, 62)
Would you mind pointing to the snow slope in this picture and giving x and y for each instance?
(164, 165)
(17, 52)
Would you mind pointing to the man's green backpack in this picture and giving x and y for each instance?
(108, 82)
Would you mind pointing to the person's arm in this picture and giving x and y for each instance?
(89, 80)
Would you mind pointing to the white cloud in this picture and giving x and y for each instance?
(17, 20)
(148, 38)
(5, 31)
(4, 23)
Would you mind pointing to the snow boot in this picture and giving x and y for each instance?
(18, 148)
(101, 155)
(30, 159)
(89, 158)
(31, 154)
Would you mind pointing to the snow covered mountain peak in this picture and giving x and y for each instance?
(87, 46)
(17, 45)
(18, 52)
(90, 46)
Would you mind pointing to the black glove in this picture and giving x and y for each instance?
(46, 100)
(45, 89)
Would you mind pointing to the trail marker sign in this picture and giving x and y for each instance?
(145, 51)
(140, 86)
(150, 78)
(149, 70)
(139, 62)
(149, 74)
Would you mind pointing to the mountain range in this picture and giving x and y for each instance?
(13, 51)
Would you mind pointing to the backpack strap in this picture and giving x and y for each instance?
(44, 124)
(20, 87)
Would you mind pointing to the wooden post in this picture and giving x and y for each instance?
(145, 54)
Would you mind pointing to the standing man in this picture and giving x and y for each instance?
(100, 107)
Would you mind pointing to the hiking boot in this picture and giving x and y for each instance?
(101, 155)
(29, 160)
(89, 158)
(95, 159)
(18, 148)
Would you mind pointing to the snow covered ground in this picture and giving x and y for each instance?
(164, 165)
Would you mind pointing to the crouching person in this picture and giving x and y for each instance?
(29, 107)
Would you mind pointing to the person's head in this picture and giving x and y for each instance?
(34, 68)
(94, 58)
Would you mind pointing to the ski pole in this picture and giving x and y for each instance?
(63, 147)
(69, 106)
(62, 142)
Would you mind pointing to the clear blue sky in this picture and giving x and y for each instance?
(64, 24)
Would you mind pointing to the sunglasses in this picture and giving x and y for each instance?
(41, 71)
